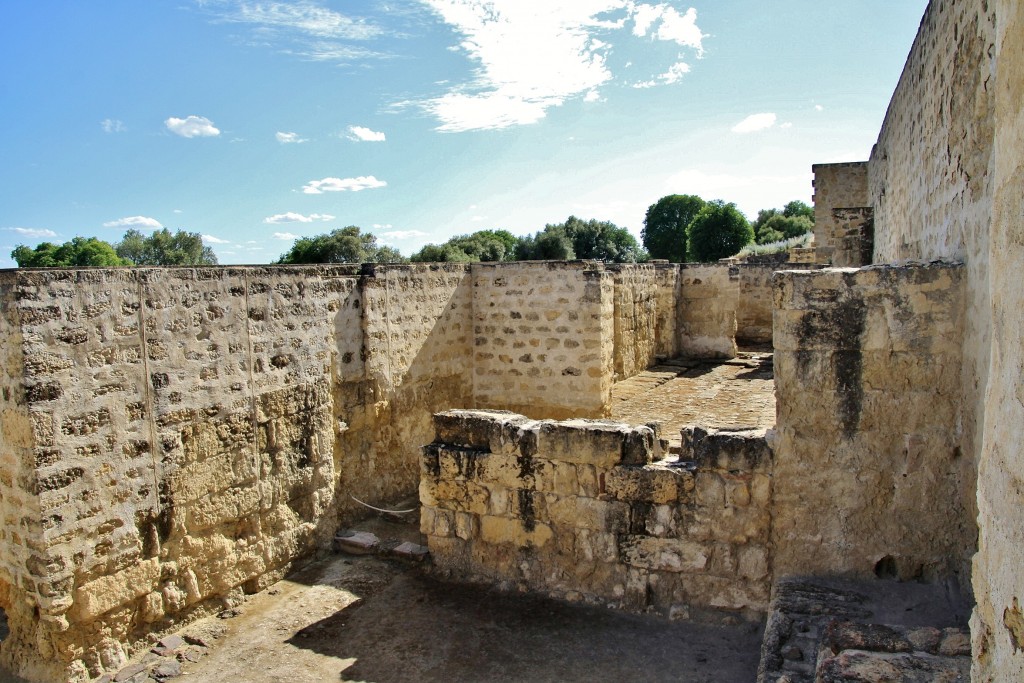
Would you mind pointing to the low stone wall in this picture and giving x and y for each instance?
(582, 510)
(867, 377)
(635, 311)
(754, 300)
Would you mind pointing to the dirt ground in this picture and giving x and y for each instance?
(373, 619)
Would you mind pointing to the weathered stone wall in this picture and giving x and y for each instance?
(580, 510)
(543, 337)
(666, 328)
(754, 303)
(998, 623)
(837, 186)
(635, 310)
(708, 296)
(868, 474)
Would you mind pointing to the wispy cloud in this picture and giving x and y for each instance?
(755, 122)
(362, 134)
(291, 217)
(210, 239)
(32, 232)
(674, 74)
(289, 138)
(304, 28)
(284, 236)
(143, 222)
(112, 126)
(367, 182)
(567, 57)
(818, 107)
(192, 127)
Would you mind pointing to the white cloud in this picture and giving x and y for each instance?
(367, 182)
(674, 74)
(303, 17)
(291, 217)
(32, 232)
(361, 134)
(404, 234)
(565, 59)
(177, 211)
(112, 126)
(210, 239)
(754, 123)
(592, 96)
(289, 138)
(818, 107)
(143, 222)
(787, 124)
(382, 226)
(192, 127)
(284, 236)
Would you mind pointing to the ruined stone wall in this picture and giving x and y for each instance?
(666, 326)
(543, 337)
(837, 186)
(635, 318)
(868, 471)
(754, 302)
(581, 510)
(998, 623)
(706, 313)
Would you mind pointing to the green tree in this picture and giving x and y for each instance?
(797, 208)
(483, 245)
(781, 227)
(344, 245)
(163, 248)
(718, 231)
(549, 244)
(664, 231)
(80, 251)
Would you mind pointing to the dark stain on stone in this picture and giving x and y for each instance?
(527, 513)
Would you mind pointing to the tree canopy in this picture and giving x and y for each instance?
(772, 225)
(80, 251)
(718, 231)
(664, 231)
(165, 249)
(344, 245)
(483, 245)
(576, 238)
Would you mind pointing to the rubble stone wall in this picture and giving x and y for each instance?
(868, 475)
(586, 510)
(635, 310)
(543, 337)
(666, 326)
(754, 300)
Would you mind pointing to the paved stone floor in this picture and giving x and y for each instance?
(734, 393)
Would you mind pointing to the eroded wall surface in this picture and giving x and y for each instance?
(998, 624)
(635, 319)
(582, 510)
(837, 186)
(868, 476)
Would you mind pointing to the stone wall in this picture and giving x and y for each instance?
(754, 300)
(838, 186)
(868, 468)
(584, 510)
(998, 624)
(666, 328)
(706, 317)
(635, 309)
(543, 337)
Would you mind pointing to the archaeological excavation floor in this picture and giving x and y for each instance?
(372, 619)
(735, 393)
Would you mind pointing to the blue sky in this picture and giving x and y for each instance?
(255, 121)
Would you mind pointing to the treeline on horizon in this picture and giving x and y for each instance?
(678, 228)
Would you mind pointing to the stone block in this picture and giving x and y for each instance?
(515, 532)
(663, 554)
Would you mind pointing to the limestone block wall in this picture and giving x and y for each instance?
(998, 623)
(706, 314)
(837, 186)
(666, 330)
(579, 510)
(754, 300)
(543, 337)
(635, 318)
(868, 468)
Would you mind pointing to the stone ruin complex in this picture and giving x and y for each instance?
(171, 439)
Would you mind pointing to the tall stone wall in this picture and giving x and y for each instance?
(998, 623)
(706, 316)
(666, 326)
(543, 337)
(581, 510)
(868, 474)
(635, 319)
(838, 186)
(754, 300)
